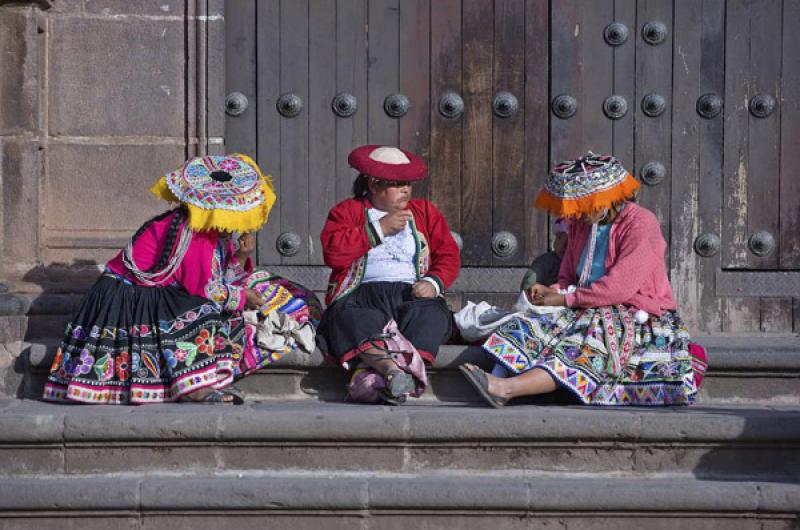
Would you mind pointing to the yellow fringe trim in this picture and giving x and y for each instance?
(202, 220)
(589, 204)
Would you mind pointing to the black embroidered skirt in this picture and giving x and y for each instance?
(362, 314)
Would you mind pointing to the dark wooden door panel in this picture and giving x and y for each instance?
(714, 181)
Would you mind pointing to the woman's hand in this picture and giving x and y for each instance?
(253, 299)
(553, 299)
(247, 245)
(395, 221)
(423, 289)
(537, 292)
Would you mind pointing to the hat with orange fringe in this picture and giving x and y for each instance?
(586, 185)
(221, 192)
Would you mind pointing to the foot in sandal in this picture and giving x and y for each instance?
(483, 384)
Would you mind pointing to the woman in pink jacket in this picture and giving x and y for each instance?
(608, 331)
(164, 322)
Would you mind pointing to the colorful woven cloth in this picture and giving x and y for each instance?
(603, 356)
(221, 192)
(586, 185)
(285, 296)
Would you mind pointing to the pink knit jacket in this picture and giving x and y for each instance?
(635, 272)
(200, 273)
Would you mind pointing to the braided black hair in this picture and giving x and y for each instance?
(361, 186)
(172, 235)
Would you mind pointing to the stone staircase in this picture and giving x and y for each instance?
(296, 456)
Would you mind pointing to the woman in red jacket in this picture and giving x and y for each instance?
(391, 258)
(617, 339)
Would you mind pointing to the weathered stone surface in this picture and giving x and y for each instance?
(232, 493)
(20, 85)
(85, 173)
(135, 87)
(73, 493)
(114, 8)
(260, 521)
(20, 174)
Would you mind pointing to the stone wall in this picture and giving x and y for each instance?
(97, 99)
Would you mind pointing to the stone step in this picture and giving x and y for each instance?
(759, 369)
(712, 443)
(461, 500)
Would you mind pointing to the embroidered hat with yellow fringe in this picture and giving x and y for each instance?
(221, 192)
(586, 185)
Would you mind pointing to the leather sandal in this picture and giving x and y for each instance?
(234, 391)
(212, 398)
(398, 385)
(480, 382)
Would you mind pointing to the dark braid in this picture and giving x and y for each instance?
(361, 186)
(172, 235)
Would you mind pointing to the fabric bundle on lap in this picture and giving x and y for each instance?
(286, 321)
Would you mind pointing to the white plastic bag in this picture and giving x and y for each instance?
(477, 321)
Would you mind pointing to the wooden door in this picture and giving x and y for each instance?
(699, 99)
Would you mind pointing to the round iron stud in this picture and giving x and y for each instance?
(707, 245)
(288, 243)
(289, 105)
(235, 104)
(615, 107)
(451, 106)
(616, 34)
(396, 105)
(762, 105)
(458, 239)
(653, 173)
(654, 32)
(709, 106)
(653, 105)
(505, 104)
(564, 106)
(761, 243)
(344, 105)
(504, 244)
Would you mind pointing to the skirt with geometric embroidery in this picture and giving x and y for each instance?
(129, 344)
(602, 355)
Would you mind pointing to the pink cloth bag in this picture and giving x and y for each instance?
(366, 384)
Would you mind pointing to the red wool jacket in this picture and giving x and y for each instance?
(635, 272)
(347, 237)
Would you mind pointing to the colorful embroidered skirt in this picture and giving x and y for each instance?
(603, 355)
(131, 344)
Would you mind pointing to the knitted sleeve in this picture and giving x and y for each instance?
(347, 235)
(635, 263)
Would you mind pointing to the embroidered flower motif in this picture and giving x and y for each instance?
(84, 365)
(572, 353)
(205, 342)
(172, 357)
(661, 341)
(123, 366)
(228, 165)
(179, 324)
(219, 342)
(78, 333)
(180, 354)
(104, 367)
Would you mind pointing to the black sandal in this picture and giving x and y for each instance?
(234, 391)
(212, 398)
(480, 381)
(398, 385)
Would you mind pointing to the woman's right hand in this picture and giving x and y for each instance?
(253, 299)
(537, 292)
(395, 221)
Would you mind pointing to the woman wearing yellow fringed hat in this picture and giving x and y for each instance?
(164, 322)
(608, 331)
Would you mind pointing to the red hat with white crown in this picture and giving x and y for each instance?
(387, 163)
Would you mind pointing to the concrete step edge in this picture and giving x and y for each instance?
(412, 493)
(311, 421)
